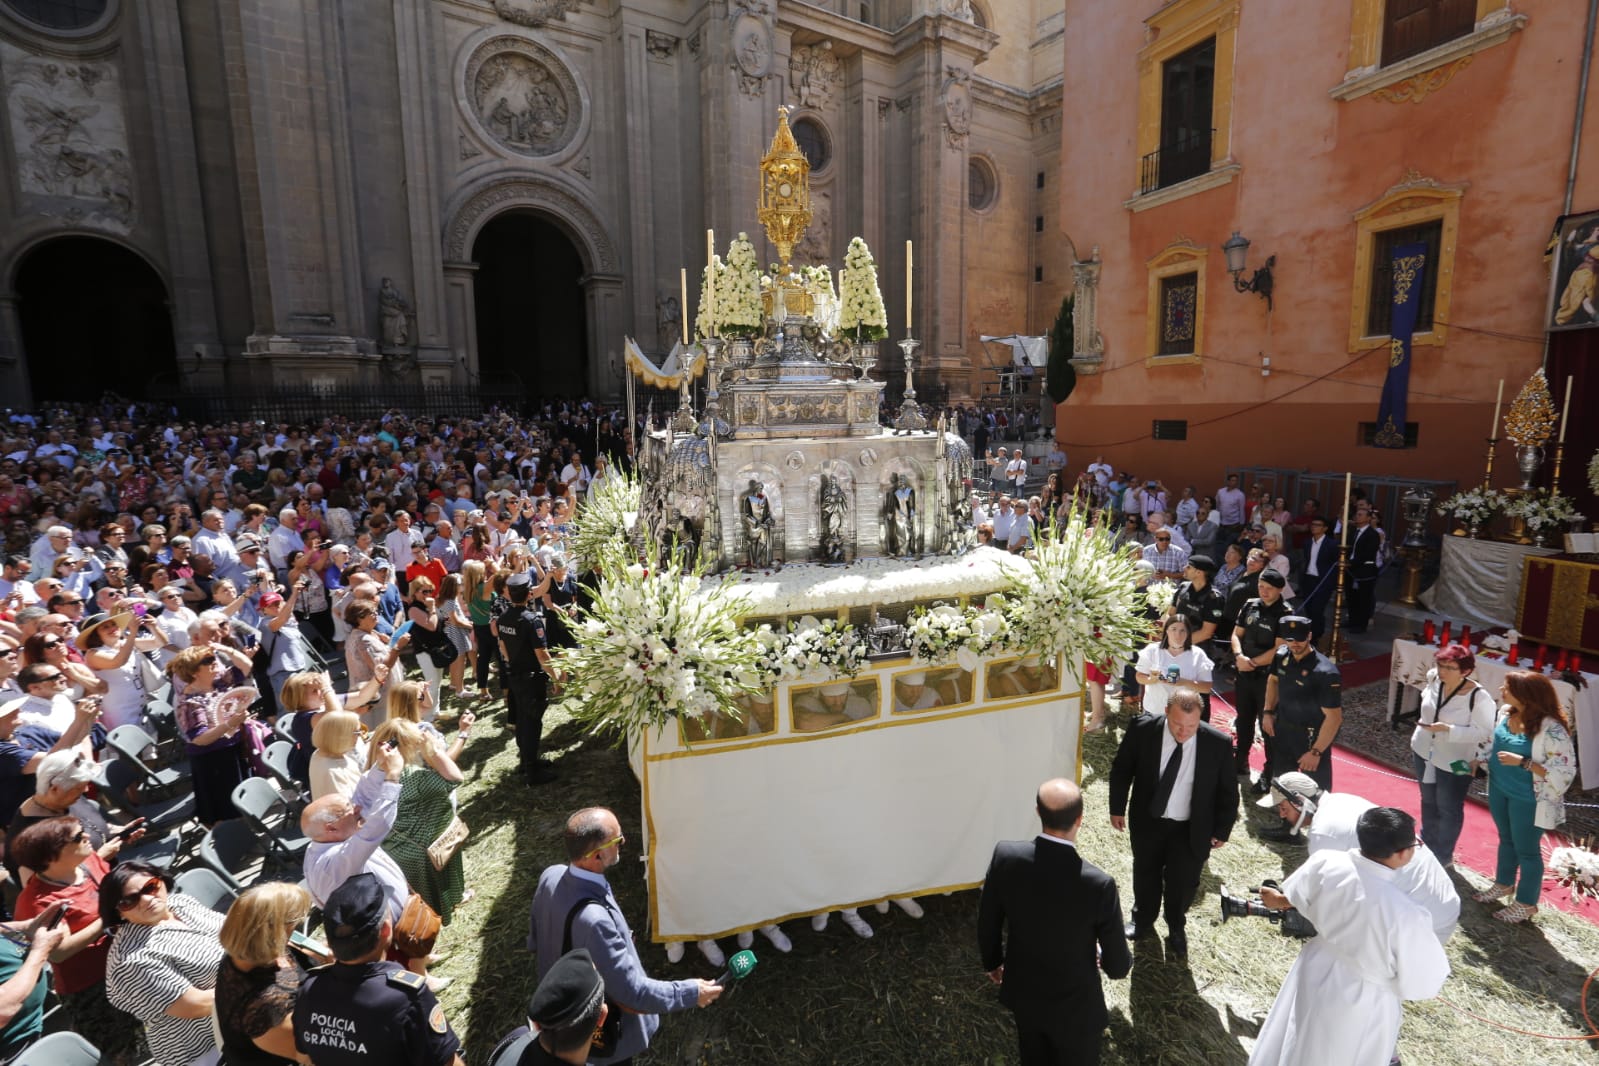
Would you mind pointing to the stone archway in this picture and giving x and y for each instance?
(570, 214)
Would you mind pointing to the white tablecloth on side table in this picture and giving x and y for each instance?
(1408, 672)
(1479, 581)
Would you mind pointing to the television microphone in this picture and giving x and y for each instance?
(738, 968)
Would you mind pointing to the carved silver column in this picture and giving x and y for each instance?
(910, 415)
(712, 426)
(684, 421)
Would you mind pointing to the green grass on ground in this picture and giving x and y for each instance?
(914, 994)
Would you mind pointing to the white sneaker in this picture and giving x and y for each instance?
(779, 939)
(910, 906)
(746, 940)
(882, 906)
(819, 921)
(713, 953)
(857, 924)
(674, 952)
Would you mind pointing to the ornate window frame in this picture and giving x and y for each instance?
(983, 162)
(1412, 202)
(1414, 78)
(1182, 256)
(1173, 29)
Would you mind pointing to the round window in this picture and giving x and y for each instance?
(982, 188)
(812, 140)
(60, 14)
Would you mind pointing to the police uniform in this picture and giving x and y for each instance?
(372, 1013)
(522, 633)
(567, 1002)
(1199, 606)
(1304, 687)
(1257, 633)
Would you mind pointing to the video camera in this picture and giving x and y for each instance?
(1293, 923)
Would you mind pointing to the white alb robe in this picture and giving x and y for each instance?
(1422, 879)
(1340, 1004)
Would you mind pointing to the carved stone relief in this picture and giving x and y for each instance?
(71, 141)
(817, 244)
(1088, 345)
(961, 9)
(660, 45)
(523, 96)
(534, 13)
(957, 108)
(752, 53)
(814, 72)
(469, 148)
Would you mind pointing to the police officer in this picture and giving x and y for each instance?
(362, 1011)
(1198, 600)
(1304, 704)
(567, 1008)
(525, 653)
(1255, 643)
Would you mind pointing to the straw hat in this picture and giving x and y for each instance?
(95, 621)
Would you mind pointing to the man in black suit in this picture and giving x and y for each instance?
(1364, 540)
(1185, 801)
(1043, 911)
(1321, 575)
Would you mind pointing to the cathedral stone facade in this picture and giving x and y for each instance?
(237, 194)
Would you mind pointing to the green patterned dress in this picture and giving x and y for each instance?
(424, 812)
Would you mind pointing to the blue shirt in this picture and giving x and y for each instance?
(1513, 781)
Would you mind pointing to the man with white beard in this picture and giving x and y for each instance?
(1375, 948)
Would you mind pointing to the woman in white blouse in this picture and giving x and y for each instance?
(340, 757)
(1455, 727)
(1171, 662)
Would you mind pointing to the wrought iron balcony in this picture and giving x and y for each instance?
(1187, 157)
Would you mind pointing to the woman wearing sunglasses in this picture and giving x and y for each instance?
(212, 730)
(162, 967)
(67, 869)
(51, 649)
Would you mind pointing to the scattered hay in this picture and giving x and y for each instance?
(915, 994)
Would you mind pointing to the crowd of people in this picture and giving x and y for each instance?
(372, 586)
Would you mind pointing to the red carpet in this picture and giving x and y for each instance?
(1478, 847)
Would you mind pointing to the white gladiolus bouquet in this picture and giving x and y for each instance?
(1544, 510)
(1475, 505)
(1080, 597)
(703, 326)
(861, 313)
(601, 527)
(738, 297)
(814, 650)
(653, 646)
(1160, 595)
(1577, 869)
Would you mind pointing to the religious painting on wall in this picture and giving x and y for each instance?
(1574, 293)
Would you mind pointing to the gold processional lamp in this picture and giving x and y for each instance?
(785, 207)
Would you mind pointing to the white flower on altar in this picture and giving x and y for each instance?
(738, 305)
(861, 312)
(703, 326)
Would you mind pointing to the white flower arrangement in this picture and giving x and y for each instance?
(1542, 510)
(1577, 869)
(809, 588)
(812, 650)
(703, 326)
(655, 645)
(824, 299)
(738, 292)
(861, 312)
(1593, 474)
(1160, 595)
(1079, 597)
(602, 526)
(1475, 506)
(942, 632)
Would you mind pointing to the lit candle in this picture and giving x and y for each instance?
(1566, 410)
(683, 297)
(1343, 527)
(1494, 433)
(910, 288)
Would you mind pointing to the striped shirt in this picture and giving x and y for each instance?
(151, 967)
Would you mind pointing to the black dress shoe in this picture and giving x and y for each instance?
(539, 775)
(1262, 786)
(1134, 930)
(1282, 834)
(1177, 944)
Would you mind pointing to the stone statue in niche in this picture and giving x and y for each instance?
(755, 511)
(522, 104)
(668, 321)
(899, 517)
(961, 9)
(834, 505)
(817, 244)
(396, 314)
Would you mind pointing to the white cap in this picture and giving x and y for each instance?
(836, 688)
(915, 678)
(1302, 786)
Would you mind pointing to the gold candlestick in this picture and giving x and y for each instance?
(1560, 452)
(1488, 472)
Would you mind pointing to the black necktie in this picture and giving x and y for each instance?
(1168, 779)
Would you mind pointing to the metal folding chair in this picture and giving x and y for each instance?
(274, 820)
(205, 885)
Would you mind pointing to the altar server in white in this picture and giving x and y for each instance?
(1341, 1003)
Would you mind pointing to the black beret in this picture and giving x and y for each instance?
(519, 584)
(1273, 577)
(1293, 627)
(1204, 563)
(569, 993)
(354, 909)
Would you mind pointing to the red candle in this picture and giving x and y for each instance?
(1444, 640)
(1429, 632)
(1560, 662)
(1513, 656)
(1537, 661)
(1465, 637)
